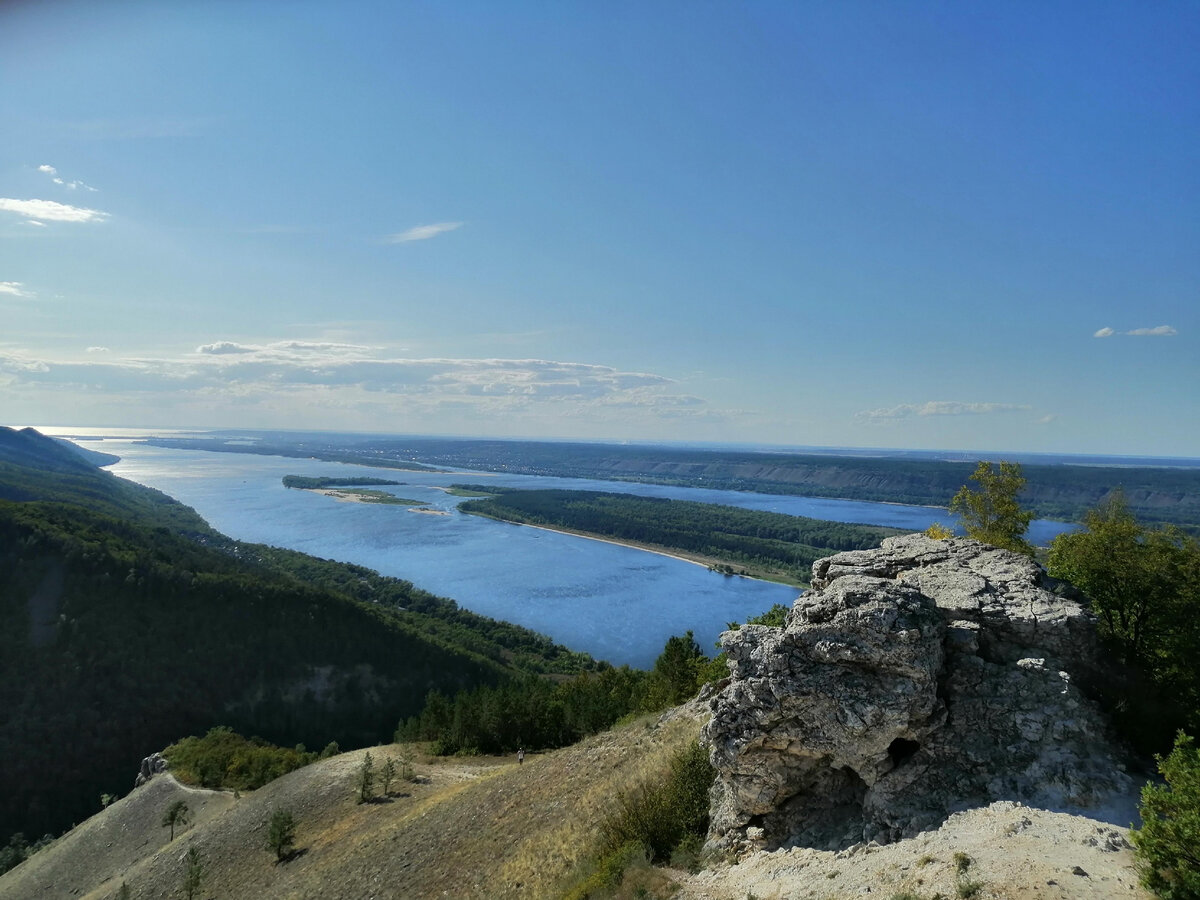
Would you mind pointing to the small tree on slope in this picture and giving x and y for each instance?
(193, 873)
(177, 814)
(281, 833)
(366, 779)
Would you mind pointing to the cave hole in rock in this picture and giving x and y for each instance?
(901, 750)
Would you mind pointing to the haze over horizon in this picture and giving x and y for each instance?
(910, 225)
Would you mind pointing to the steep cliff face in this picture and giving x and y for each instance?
(912, 681)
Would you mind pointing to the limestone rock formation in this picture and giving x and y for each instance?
(914, 680)
(152, 765)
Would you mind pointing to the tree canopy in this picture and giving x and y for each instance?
(990, 512)
(1144, 585)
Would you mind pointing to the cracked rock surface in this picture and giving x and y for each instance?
(915, 680)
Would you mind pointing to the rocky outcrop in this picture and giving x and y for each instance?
(152, 765)
(914, 680)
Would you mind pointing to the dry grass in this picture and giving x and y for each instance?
(478, 827)
(610, 764)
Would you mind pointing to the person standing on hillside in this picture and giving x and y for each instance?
(520, 755)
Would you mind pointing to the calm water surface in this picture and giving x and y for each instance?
(614, 602)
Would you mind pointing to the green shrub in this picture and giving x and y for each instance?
(1168, 843)
(661, 816)
(223, 758)
(664, 821)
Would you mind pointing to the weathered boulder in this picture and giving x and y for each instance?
(152, 765)
(914, 680)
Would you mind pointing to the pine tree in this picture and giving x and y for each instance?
(177, 814)
(281, 833)
(366, 779)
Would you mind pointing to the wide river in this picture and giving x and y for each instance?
(614, 602)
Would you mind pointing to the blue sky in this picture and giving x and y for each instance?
(922, 225)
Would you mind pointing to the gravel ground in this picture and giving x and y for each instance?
(1011, 851)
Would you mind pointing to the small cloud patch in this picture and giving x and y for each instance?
(1156, 331)
(14, 289)
(50, 211)
(422, 232)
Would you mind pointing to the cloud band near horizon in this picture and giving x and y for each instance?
(940, 408)
(284, 373)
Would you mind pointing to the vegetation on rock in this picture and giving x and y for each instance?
(991, 512)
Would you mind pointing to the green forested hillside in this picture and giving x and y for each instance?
(127, 623)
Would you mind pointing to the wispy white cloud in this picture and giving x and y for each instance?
(222, 347)
(97, 350)
(422, 232)
(1157, 331)
(70, 185)
(49, 210)
(940, 408)
(14, 289)
(287, 350)
(1047, 419)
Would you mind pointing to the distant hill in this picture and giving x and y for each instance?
(1156, 493)
(126, 622)
(95, 457)
(29, 447)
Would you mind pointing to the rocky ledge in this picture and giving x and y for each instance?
(913, 681)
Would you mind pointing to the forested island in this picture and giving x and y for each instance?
(349, 489)
(306, 483)
(728, 539)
